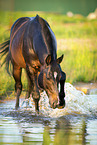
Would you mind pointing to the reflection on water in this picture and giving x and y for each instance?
(75, 130)
(67, 127)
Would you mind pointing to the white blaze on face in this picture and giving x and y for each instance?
(55, 74)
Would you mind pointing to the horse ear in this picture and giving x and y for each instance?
(48, 59)
(59, 60)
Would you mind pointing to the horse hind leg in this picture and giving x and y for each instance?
(29, 90)
(18, 85)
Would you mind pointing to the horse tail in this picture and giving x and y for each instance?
(4, 51)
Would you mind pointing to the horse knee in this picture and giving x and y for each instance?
(18, 86)
(36, 95)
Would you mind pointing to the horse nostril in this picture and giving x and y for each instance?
(54, 105)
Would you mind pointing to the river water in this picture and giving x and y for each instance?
(75, 124)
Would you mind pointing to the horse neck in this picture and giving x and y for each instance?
(41, 48)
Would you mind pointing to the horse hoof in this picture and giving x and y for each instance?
(37, 112)
(17, 107)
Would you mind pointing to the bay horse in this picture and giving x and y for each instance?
(32, 46)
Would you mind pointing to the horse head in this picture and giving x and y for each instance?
(49, 78)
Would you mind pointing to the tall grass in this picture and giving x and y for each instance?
(80, 61)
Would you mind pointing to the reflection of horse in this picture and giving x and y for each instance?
(32, 46)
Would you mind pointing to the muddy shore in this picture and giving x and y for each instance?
(87, 88)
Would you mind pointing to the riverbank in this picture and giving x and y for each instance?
(87, 88)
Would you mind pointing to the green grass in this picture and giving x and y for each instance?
(80, 60)
(76, 38)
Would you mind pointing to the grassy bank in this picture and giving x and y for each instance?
(80, 59)
(76, 39)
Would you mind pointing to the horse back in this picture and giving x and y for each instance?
(18, 23)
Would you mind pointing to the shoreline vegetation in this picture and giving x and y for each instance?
(76, 39)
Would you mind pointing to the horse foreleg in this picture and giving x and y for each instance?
(62, 91)
(18, 85)
(33, 86)
(36, 105)
(36, 94)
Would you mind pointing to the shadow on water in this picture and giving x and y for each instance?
(66, 128)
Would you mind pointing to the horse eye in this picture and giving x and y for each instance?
(55, 74)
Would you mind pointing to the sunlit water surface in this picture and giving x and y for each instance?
(75, 124)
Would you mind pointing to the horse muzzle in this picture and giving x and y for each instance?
(54, 102)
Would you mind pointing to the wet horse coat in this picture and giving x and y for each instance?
(32, 46)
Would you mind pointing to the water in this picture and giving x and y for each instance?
(76, 124)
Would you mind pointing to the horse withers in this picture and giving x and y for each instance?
(32, 46)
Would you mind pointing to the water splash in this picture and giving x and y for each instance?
(76, 103)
